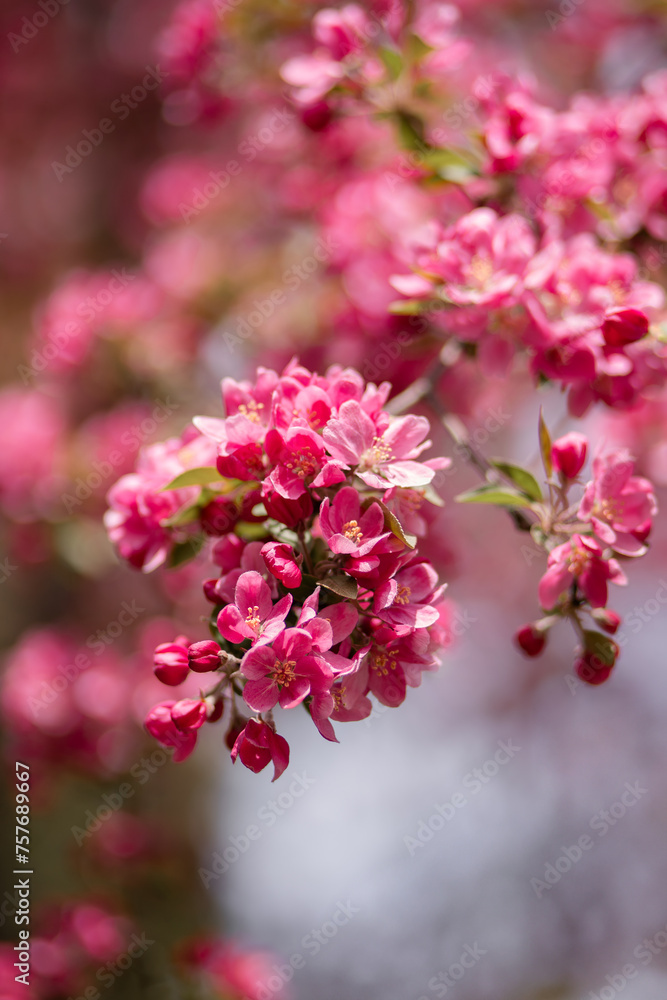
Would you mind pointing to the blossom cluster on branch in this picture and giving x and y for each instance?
(322, 597)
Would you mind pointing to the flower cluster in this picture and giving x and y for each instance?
(582, 314)
(586, 539)
(321, 598)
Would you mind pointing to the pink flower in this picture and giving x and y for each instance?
(282, 563)
(380, 457)
(348, 531)
(253, 615)
(395, 662)
(579, 560)
(258, 744)
(283, 672)
(568, 454)
(618, 504)
(299, 458)
(406, 601)
(479, 261)
(160, 725)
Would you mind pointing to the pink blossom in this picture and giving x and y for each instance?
(618, 504)
(406, 600)
(579, 560)
(284, 672)
(253, 615)
(381, 456)
(258, 745)
(346, 529)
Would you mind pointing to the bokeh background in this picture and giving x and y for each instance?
(136, 270)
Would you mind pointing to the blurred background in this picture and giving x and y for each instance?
(158, 184)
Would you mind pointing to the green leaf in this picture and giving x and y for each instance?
(410, 130)
(521, 478)
(195, 477)
(342, 585)
(391, 523)
(392, 60)
(186, 515)
(184, 551)
(413, 307)
(545, 446)
(493, 495)
(601, 646)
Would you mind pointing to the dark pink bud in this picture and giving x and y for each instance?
(530, 640)
(188, 714)
(624, 326)
(317, 116)
(220, 516)
(288, 512)
(209, 591)
(204, 656)
(171, 663)
(591, 669)
(160, 725)
(227, 553)
(607, 620)
(281, 563)
(568, 454)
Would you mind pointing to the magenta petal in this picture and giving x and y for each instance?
(252, 591)
(554, 582)
(294, 693)
(406, 433)
(261, 694)
(385, 595)
(258, 662)
(279, 753)
(232, 626)
(322, 633)
(346, 507)
(408, 474)
(325, 729)
(343, 618)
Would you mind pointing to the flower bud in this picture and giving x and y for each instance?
(568, 454)
(607, 619)
(161, 726)
(288, 512)
(188, 714)
(592, 670)
(171, 662)
(209, 591)
(204, 656)
(214, 709)
(624, 326)
(281, 563)
(530, 640)
(220, 516)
